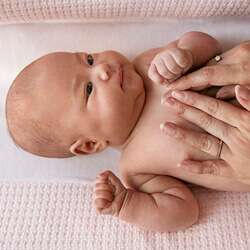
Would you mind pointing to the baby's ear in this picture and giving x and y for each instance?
(81, 147)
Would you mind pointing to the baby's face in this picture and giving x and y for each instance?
(97, 98)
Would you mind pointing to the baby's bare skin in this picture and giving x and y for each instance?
(153, 198)
(97, 100)
(161, 154)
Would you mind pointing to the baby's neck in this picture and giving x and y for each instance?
(139, 109)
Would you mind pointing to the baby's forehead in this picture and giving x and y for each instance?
(58, 58)
(55, 64)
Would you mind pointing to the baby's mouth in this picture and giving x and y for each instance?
(120, 74)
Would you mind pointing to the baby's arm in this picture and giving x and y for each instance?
(160, 203)
(188, 53)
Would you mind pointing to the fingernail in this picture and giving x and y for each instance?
(179, 95)
(168, 128)
(169, 103)
(184, 166)
(242, 92)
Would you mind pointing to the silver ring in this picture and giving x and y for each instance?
(220, 148)
(217, 58)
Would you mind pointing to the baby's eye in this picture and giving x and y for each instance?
(89, 88)
(90, 60)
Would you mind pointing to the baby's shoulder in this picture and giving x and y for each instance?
(132, 173)
(135, 164)
(146, 57)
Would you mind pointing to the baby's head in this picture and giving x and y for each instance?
(66, 104)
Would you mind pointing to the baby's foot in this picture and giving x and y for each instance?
(109, 194)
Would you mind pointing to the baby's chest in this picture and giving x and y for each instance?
(151, 149)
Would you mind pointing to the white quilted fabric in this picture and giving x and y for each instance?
(13, 11)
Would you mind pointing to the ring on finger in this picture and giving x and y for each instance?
(220, 148)
(218, 58)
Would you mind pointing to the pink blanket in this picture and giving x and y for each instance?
(12, 11)
(60, 216)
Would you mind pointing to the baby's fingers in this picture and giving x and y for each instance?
(100, 205)
(106, 187)
(179, 56)
(98, 180)
(155, 76)
(172, 66)
(103, 194)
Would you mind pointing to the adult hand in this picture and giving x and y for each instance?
(234, 68)
(221, 120)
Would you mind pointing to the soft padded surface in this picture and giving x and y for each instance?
(23, 43)
(12, 11)
(60, 216)
(49, 215)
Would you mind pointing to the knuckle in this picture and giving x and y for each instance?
(204, 143)
(180, 109)
(245, 68)
(204, 120)
(163, 71)
(183, 61)
(173, 66)
(207, 72)
(193, 101)
(214, 107)
(211, 169)
(181, 135)
(224, 133)
(108, 172)
(185, 81)
(245, 121)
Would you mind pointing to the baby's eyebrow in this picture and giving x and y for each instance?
(79, 58)
(76, 84)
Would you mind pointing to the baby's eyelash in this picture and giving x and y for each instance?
(90, 60)
(89, 89)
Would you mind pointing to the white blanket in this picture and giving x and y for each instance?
(23, 43)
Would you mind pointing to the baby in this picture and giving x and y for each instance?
(67, 104)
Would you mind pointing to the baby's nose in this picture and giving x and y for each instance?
(104, 72)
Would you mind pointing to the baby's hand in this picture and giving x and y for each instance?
(169, 65)
(109, 194)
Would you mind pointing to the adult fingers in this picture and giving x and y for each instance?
(226, 92)
(202, 141)
(243, 96)
(210, 91)
(215, 167)
(221, 110)
(216, 75)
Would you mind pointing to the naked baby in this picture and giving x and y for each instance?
(67, 104)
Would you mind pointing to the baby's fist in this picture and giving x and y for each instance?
(169, 65)
(109, 194)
